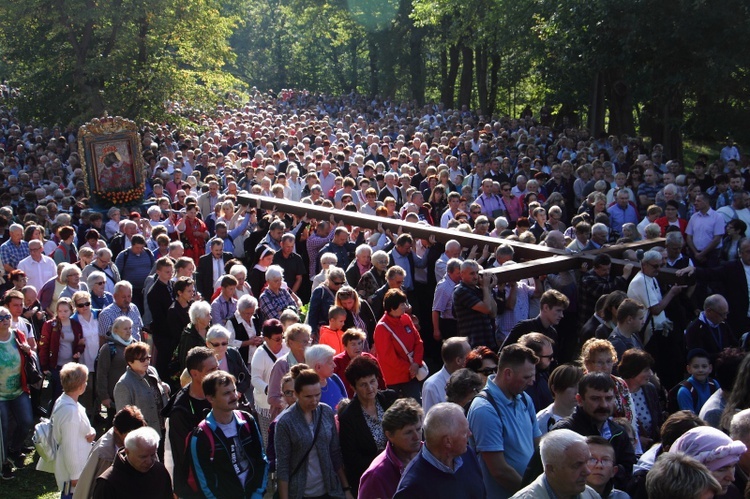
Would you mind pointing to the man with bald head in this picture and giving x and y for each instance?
(445, 467)
(710, 331)
(452, 250)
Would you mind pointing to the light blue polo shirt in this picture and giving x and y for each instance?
(513, 434)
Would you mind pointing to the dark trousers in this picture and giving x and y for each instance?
(409, 389)
(448, 328)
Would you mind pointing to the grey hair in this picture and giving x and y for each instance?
(501, 223)
(329, 258)
(247, 301)
(274, 272)
(469, 264)
(199, 310)
(739, 428)
(69, 269)
(104, 251)
(15, 228)
(217, 332)
(505, 250)
(452, 244)
(318, 354)
(153, 209)
(652, 256)
(237, 270)
(600, 228)
(97, 274)
(555, 443)
(379, 256)
(363, 248)
(121, 321)
(713, 301)
(453, 264)
(441, 420)
(336, 272)
(652, 231)
(145, 435)
(674, 238)
(123, 284)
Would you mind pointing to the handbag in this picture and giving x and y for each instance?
(423, 370)
(31, 366)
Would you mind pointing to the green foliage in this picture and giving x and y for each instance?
(124, 57)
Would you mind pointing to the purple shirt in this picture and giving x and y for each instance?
(382, 477)
(703, 228)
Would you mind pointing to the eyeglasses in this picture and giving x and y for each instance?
(81, 305)
(288, 393)
(476, 212)
(488, 370)
(217, 345)
(338, 283)
(100, 283)
(5, 317)
(144, 359)
(605, 461)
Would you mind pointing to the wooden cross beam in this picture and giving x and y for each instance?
(535, 260)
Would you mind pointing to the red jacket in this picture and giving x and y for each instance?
(393, 360)
(663, 223)
(49, 344)
(342, 361)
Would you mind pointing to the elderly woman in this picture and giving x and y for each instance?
(155, 219)
(194, 334)
(373, 279)
(112, 226)
(297, 338)
(89, 321)
(257, 277)
(61, 342)
(100, 297)
(275, 298)
(243, 287)
(66, 252)
(320, 359)
(85, 257)
(327, 261)
(309, 426)
(260, 368)
(110, 362)
(360, 423)
(71, 429)
(400, 363)
(358, 312)
(141, 386)
(71, 276)
(14, 393)
(719, 453)
(93, 241)
(244, 327)
(230, 360)
(323, 298)
(635, 368)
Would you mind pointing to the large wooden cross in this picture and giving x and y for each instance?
(534, 260)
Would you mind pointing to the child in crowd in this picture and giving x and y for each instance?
(696, 390)
(563, 383)
(331, 334)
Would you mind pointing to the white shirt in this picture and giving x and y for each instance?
(260, 371)
(91, 335)
(433, 390)
(38, 272)
(646, 290)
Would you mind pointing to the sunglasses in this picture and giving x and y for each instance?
(5, 317)
(217, 345)
(338, 283)
(487, 371)
(82, 305)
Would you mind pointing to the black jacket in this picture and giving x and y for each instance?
(204, 282)
(357, 445)
(731, 276)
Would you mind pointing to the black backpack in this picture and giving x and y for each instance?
(673, 406)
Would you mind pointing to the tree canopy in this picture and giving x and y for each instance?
(658, 68)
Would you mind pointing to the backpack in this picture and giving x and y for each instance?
(187, 462)
(44, 440)
(672, 404)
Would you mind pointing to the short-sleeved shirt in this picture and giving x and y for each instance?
(443, 300)
(475, 326)
(12, 253)
(703, 228)
(10, 369)
(646, 290)
(512, 434)
(111, 312)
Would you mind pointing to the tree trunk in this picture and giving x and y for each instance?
(596, 113)
(372, 48)
(620, 104)
(416, 64)
(354, 80)
(467, 80)
(448, 90)
(481, 69)
(494, 83)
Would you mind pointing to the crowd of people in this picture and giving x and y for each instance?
(219, 350)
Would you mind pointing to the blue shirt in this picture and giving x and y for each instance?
(619, 216)
(685, 398)
(513, 433)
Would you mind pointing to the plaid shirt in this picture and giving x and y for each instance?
(12, 254)
(476, 326)
(314, 243)
(272, 304)
(111, 312)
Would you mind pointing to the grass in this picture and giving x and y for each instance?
(30, 483)
(692, 149)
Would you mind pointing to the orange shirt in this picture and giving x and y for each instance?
(332, 338)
